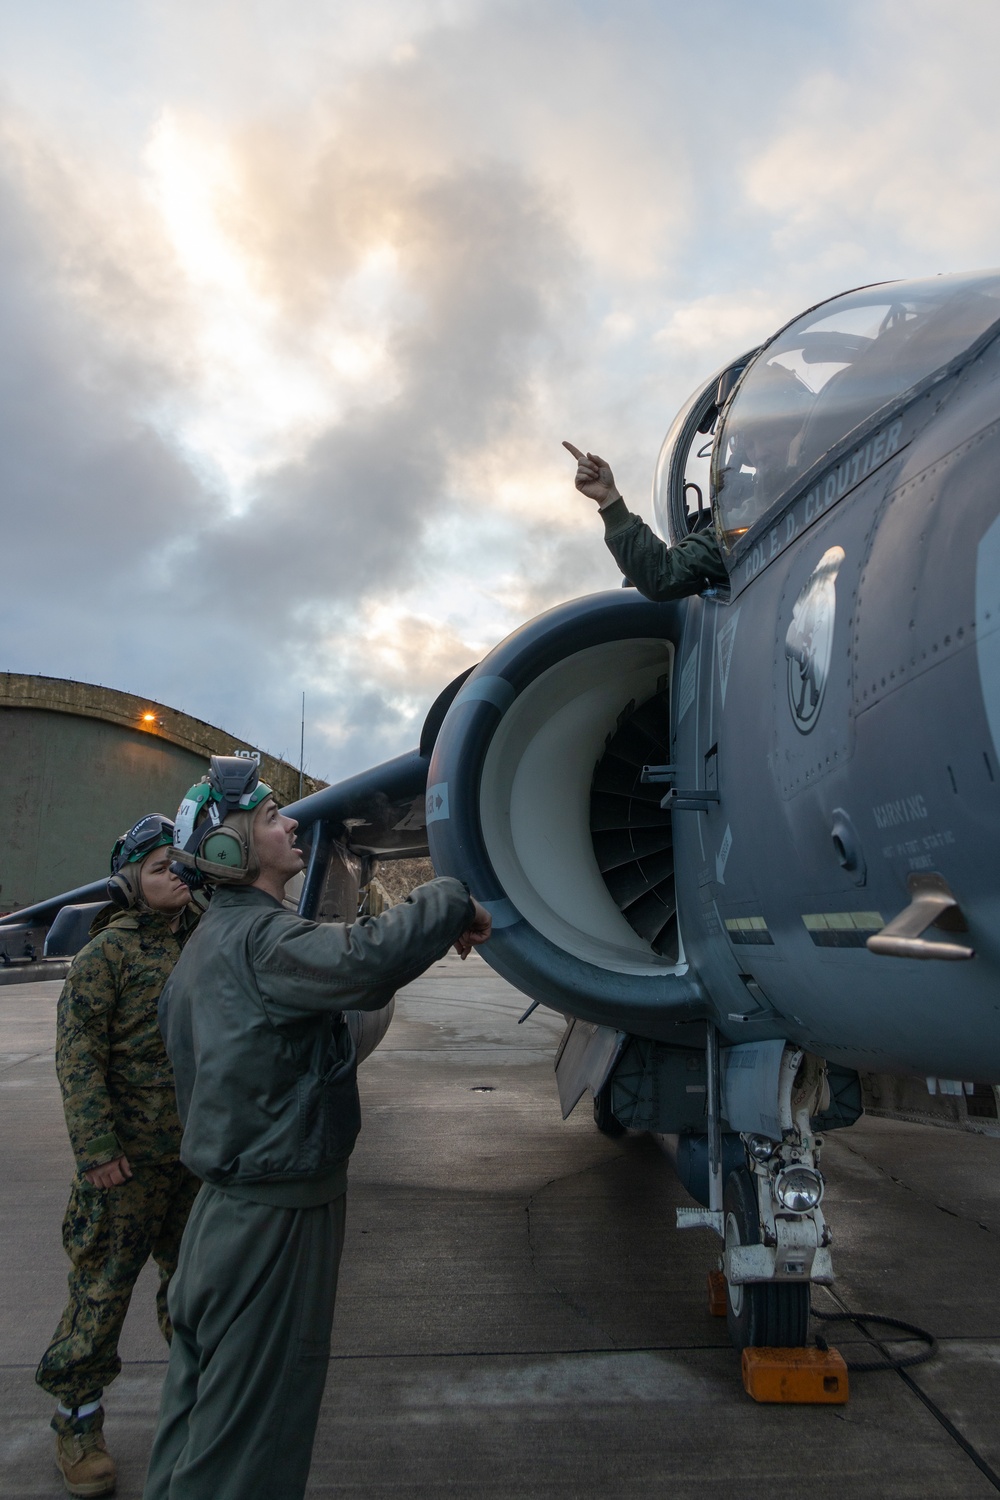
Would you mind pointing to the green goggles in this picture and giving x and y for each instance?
(151, 832)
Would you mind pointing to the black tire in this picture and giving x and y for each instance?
(604, 1119)
(760, 1315)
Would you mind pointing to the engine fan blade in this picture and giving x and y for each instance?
(616, 777)
(629, 882)
(624, 846)
(638, 746)
(623, 813)
(632, 835)
(650, 914)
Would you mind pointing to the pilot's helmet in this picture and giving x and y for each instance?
(154, 831)
(213, 835)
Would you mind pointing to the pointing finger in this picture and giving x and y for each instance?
(575, 451)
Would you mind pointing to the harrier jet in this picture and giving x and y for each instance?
(747, 842)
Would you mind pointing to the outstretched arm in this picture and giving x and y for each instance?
(302, 966)
(659, 572)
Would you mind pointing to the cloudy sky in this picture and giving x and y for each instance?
(298, 299)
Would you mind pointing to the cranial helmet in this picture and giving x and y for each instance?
(213, 835)
(151, 832)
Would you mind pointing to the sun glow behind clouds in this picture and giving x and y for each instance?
(253, 401)
(414, 244)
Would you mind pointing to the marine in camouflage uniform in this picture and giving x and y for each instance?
(118, 1096)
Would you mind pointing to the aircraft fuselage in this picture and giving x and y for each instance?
(840, 703)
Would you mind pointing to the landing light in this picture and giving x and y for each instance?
(761, 1147)
(798, 1188)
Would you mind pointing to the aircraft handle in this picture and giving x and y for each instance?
(899, 947)
(932, 904)
(657, 773)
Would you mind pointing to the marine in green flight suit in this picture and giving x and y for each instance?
(266, 1086)
(131, 1194)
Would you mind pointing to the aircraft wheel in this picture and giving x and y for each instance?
(760, 1314)
(604, 1119)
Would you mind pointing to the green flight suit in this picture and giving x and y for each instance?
(266, 1085)
(660, 572)
(252, 1307)
(118, 1098)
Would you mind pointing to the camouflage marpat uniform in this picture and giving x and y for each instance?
(118, 1094)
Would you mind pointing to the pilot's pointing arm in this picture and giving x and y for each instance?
(658, 571)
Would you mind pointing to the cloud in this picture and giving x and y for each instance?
(889, 159)
(480, 262)
(714, 325)
(297, 307)
(349, 507)
(85, 480)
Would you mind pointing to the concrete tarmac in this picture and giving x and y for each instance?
(518, 1316)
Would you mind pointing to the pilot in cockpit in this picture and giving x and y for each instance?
(658, 571)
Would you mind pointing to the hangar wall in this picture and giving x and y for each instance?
(79, 764)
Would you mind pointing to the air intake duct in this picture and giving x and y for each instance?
(535, 799)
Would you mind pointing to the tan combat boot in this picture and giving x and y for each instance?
(82, 1456)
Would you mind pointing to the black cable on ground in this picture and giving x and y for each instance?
(890, 1362)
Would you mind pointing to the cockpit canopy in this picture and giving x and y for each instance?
(830, 372)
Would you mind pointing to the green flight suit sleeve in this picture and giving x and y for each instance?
(303, 966)
(83, 1050)
(660, 572)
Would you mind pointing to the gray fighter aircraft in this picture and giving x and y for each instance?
(747, 842)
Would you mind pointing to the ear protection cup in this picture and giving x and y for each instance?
(124, 889)
(226, 852)
(213, 834)
(226, 847)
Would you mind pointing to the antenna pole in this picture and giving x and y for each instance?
(302, 746)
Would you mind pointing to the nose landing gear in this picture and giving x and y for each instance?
(767, 1212)
(759, 1314)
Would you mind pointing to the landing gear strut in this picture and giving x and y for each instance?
(759, 1314)
(767, 1213)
